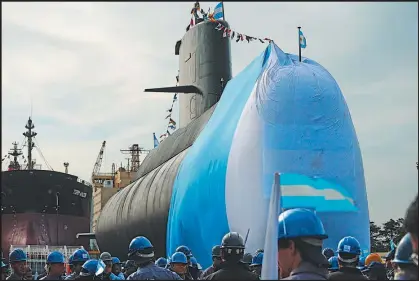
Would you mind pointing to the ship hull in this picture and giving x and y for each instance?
(41, 229)
(29, 213)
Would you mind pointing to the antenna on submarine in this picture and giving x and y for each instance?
(31, 107)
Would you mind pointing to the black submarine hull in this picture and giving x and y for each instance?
(142, 208)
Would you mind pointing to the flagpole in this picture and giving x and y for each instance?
(299, 44)
(222, 6)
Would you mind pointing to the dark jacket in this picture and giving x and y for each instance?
(308, 271)
(49, 277)
(194, 272)
(13, 276)
(232, 271)
(210, 270)
(347, 273)
(153, 272)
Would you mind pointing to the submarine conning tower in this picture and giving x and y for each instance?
(204, 70)
(204, 62)
(142, 207)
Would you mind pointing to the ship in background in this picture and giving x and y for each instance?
(41, 208)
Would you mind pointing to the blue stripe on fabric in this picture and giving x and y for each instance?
(197, 216)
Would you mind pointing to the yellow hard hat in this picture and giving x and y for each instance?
(373, 257)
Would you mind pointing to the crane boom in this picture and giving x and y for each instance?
(98, 163)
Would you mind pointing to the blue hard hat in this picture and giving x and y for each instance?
(299, 222)
(55, 257)
(80, 255)
(17, 255)
(257, 260)
(194, 262)
(328, 253)
(161, 262)
(141, 249)
(115, 260)
(92, 267)
(333, 263)
(139, 243)
(349, 245)
(404, 251)
(185, 250)
(179, 257)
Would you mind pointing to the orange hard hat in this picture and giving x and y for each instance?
(373, 257)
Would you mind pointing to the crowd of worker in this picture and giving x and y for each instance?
(300, 257)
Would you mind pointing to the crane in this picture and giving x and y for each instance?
(135, 150)
(98, 163)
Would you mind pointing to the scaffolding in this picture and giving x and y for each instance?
(37, 255)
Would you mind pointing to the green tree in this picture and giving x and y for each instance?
(375, 238)
(392, 229)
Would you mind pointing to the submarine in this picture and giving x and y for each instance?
(142, 208)
(214, 174)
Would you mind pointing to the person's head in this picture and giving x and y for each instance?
(247, 258)
(78, 258)
(232, 247)
(161, 262)
(333, 264)
(92, 269)
(194, 263)
(55, 262)
(411, 224)
(375, 271)
(256, 264)
(28, 273)
(348, 251)
(184, 249)
(373, 257)
(388, 258)
(216, 255)
(17, 260)
(107, 260)
(116, 265)
(258, 251)
(179, 263)
(300, 238)
(141, 251)
(403, 261)
(328, 253)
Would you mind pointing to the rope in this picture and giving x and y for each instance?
(38, 148)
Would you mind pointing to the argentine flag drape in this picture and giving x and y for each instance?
(270, 255)
(156, 142)
(218, 11)
(277, 115)
(303, 41)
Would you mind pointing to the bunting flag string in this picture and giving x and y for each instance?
(229, 33)
(172, 123)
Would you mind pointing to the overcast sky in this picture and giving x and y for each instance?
(84, 66)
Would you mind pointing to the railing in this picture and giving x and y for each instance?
(37, 254)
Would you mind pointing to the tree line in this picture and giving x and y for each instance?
(380, 236)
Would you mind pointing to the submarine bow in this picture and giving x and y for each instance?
(277, 115)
